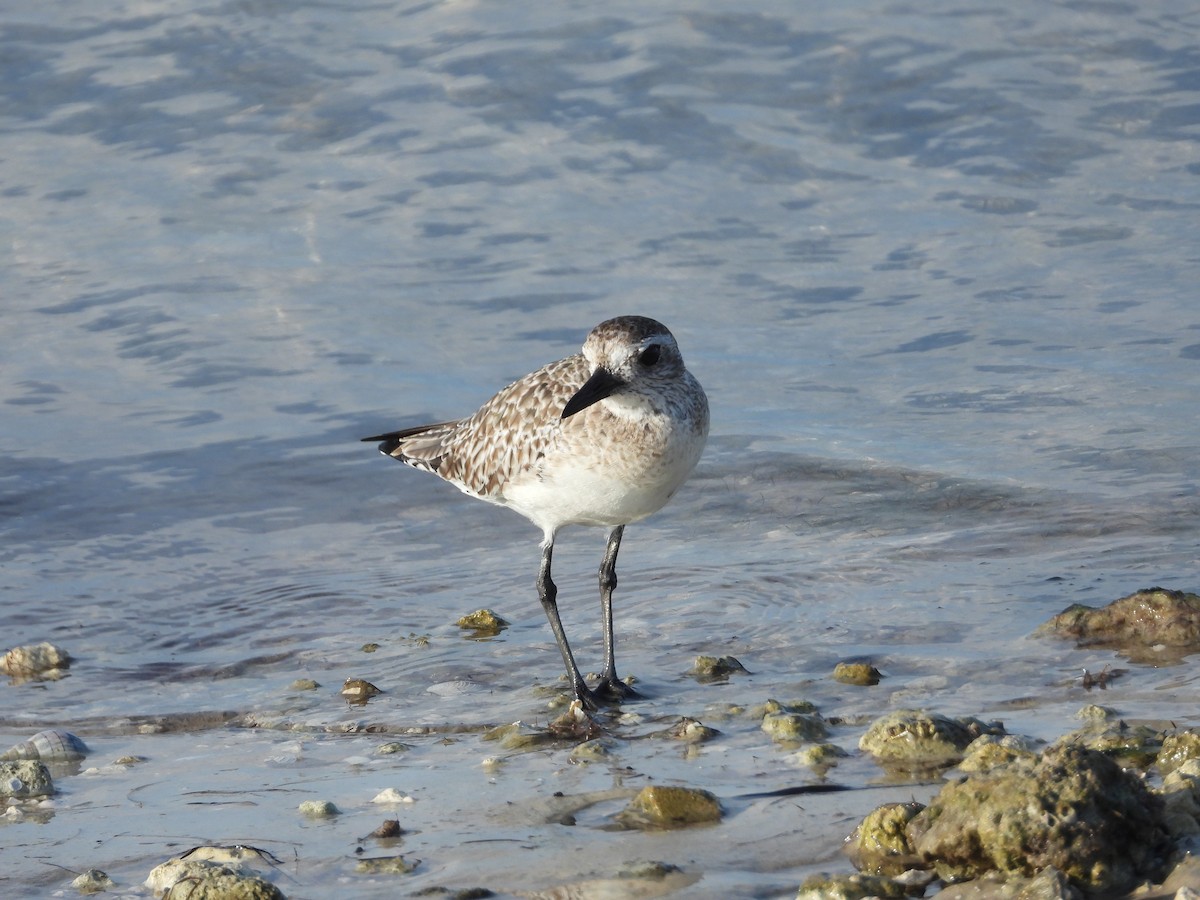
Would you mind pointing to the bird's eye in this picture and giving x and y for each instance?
(650, 355)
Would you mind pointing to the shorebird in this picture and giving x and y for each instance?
(602, 438)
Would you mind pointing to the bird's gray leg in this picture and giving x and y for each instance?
(610, 685)
(548, 594)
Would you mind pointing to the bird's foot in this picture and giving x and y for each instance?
(611, 689)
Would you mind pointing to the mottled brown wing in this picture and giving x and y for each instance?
(506, 437)
(513, 431)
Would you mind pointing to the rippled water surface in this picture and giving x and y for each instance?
(935, 265)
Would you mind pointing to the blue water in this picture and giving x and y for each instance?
(935, 265)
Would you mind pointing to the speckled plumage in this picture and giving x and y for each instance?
(601, 438)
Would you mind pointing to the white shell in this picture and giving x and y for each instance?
(53, 745)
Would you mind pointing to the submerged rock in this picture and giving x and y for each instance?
(662, 806)
(1133, 625)
(915, 739)
(820, 757)
(594, 750)
(518, 736)
(1075, 810)
(386, 865)
(634, 881)
(880, 844)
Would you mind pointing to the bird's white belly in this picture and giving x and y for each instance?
(582, 496)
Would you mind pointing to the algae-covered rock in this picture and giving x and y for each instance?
(849, 887)
(856, 673)
(1177, 748)
(663, 806)
(794, 727)
(25, 778)
(484, 622)
(1093, 712)
(715, 668)
(988, 751)
(820, 756)
(1134, 746)
(201, 879)
(789, 723)
(880, 844)
(1075, 810)
(915, 739)
(1133, 625)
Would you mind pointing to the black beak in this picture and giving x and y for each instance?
(600, 385)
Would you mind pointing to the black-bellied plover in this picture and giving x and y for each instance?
(601, 438)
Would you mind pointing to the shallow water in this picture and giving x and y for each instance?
(933, 265)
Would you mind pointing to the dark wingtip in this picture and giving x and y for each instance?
(387, 442)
